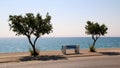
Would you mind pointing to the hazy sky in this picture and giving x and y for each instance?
(68, 16)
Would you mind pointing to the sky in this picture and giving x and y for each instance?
(69, 17)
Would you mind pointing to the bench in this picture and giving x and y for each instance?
(76, 47)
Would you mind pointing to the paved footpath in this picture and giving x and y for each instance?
(78, 62)
(14, 57)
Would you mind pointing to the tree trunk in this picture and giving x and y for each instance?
(33, 46)
(94, 42)
(34, 51)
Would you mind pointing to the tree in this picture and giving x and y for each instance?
(29, 25)
(96, 31)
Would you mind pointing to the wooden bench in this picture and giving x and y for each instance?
(76, 47)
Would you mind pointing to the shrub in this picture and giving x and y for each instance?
(32, 52)
(92, 49)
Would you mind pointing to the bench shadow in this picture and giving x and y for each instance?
(73, 53)
(43, 58)
(110, 53)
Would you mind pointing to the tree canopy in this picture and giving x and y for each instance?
(95, 28)
(30, 24)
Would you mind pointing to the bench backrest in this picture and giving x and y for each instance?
(71, 46)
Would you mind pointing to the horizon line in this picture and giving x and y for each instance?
(59, 37)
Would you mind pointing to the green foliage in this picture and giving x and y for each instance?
(29, 25)
(95, 28)
(96, 31)
(36, 53)
(92, 49)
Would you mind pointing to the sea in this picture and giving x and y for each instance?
(21, 44)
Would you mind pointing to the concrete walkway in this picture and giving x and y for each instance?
(78, 62)
(55, 55)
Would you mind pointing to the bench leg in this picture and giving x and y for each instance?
(64, 50)
(77, 50)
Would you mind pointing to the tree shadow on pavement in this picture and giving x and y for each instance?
(110, 53)
(43, 58)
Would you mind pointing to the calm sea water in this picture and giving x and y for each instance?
(22, 45)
